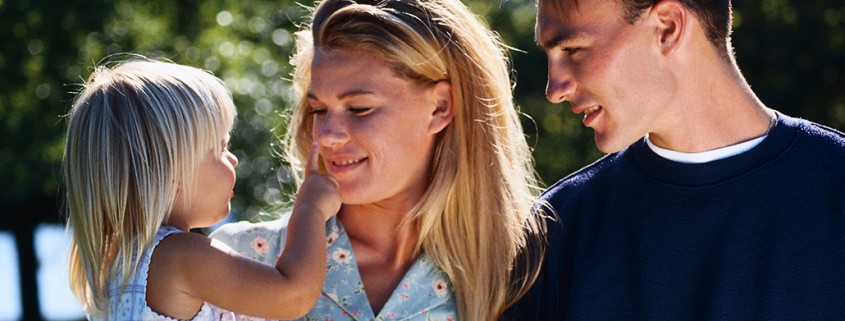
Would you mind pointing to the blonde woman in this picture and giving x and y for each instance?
(146, 160)
(410, 105)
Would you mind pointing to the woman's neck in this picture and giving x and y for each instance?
(384, 246)
(379, 233)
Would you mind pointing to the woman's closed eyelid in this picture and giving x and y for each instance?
(316, 111)
(353, 110)
(312, 105)
(360, 110)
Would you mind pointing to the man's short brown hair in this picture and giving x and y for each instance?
(715, 16)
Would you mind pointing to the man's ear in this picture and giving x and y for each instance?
(443, 111)
(671, 18)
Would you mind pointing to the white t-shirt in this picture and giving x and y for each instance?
(707, 156)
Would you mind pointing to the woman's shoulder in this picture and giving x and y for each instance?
(239, 227)
(262, 241)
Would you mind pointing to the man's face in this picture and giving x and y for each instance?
(608, 69)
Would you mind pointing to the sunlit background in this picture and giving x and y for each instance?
(791, 52)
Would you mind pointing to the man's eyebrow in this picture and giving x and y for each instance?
(559, 38)
(551, 43)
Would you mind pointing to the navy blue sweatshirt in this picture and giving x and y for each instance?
(756, 236)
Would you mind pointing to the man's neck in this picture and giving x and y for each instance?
(716, 109)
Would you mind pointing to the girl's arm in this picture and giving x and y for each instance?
(193, 266)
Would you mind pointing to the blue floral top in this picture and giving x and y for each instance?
(423, 294)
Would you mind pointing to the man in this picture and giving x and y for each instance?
(709, 205)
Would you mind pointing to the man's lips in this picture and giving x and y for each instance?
(590, 113)
(587, 110)
(591, 110)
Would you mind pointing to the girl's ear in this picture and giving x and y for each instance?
(443, 109)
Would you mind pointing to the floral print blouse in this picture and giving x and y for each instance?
(423, 294)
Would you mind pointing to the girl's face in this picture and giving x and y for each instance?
(376, 131)
(211, 190)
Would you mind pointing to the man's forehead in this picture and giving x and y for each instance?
(564, 21)
(577, 10)
(557, 7)
(552, 26)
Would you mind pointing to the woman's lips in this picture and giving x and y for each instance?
(343, 165)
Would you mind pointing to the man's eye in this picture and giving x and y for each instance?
(571, 50)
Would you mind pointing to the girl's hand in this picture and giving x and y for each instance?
(319, 190)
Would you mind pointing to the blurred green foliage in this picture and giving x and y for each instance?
(791, 52)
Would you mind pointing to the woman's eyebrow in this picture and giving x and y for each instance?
(346, 94)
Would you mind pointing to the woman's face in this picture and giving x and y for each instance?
(376, 131)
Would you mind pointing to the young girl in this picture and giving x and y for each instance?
(146, 160)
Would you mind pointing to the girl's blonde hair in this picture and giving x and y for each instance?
(137, 132)
(478, 218)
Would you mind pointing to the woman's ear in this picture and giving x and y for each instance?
(671, 19)
(443, 109)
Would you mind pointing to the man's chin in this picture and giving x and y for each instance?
(608, 144)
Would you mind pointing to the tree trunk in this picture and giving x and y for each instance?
(33, 211)
(28, 270)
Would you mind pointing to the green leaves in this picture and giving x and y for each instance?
(791, 53)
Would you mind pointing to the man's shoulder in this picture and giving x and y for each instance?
(820, 134)
(586, 177)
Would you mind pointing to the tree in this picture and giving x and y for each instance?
(791, 54)
(49, 48)
(34, 60)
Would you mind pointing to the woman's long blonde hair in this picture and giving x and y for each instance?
(136, 133)
(479, 218)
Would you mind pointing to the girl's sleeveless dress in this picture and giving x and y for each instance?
(132, 303)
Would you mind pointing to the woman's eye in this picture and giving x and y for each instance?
(318, 112)
(360, 111)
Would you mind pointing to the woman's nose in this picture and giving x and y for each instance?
(330, 130)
